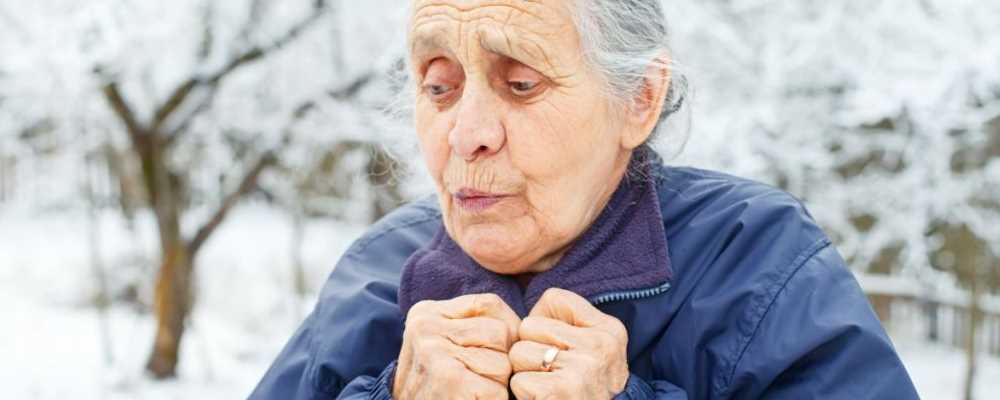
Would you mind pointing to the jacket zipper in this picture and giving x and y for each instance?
(629, 294)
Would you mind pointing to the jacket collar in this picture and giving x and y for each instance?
(625, 249)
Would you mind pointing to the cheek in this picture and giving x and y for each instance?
(550, 140)
(563, 133)
(432, 131)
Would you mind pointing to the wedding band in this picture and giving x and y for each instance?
(549, 358)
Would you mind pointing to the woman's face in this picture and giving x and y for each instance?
(517, 132)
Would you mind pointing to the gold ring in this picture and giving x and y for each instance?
(549, 358)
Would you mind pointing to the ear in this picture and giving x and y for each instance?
(645, 111)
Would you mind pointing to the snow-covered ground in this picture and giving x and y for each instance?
(939, 371)
(54, 343)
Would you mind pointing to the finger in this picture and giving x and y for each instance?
(569, 307)
(441, 357)
(480, 305)
(528, 356)
(535, 385)
(482, 332)
(553, 332)
(475, 386)
(490, 364)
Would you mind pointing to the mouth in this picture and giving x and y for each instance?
(476, 201)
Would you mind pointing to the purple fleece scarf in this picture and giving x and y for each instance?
(624, 249)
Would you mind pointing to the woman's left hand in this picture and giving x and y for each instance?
(592, 362)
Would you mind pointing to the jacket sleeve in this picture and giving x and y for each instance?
(638, 389)
(287, 377)
(820, 339)
(345, 349)
(370, 388)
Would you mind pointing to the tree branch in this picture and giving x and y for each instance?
(257, 52)
(253, 19)
(207, 34)
(185, 122)
(174, 102)
(121, 108)
(248, 183)
(352, 88)
(345, 92)
(184, 90)
(249, 180)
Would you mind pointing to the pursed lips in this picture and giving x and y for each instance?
(475, 200)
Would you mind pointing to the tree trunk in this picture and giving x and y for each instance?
(172, 304)
(102, 299)
(173, 298)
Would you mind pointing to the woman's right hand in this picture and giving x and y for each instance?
(456, 349)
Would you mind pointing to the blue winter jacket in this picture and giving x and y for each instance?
(759, 305)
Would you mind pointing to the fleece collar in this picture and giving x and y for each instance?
(624, 249)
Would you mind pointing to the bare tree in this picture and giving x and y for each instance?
(152, 142)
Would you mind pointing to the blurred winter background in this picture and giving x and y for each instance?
(178, 178)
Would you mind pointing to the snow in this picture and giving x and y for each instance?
(52, 344)
(939, 371)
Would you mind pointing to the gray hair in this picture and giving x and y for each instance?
(621, 40)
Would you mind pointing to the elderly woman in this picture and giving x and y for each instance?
(561, 259)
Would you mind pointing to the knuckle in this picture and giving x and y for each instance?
(521, 350)
(487, 302)
(504, 370)
(618, 330)
(497, 332)
(422, 307)
(517, 383)
(529, 324)
(418, 324)
(551, 294)
(518, 349)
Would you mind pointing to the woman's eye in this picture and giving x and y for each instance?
(438, 92)
(522, 88)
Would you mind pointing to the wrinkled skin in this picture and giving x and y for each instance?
(592, 363)
(510, 115)
(475, 347)
(456, 349)
(507, 105)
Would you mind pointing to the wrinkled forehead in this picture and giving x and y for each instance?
(539, 33)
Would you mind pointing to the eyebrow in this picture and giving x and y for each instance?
(429, 41)
(496, 45)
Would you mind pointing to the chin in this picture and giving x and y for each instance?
(499, 253)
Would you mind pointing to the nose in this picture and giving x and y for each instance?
(478, 131)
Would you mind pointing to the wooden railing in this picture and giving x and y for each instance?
(937, 315)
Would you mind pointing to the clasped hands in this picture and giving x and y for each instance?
(475, 347)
